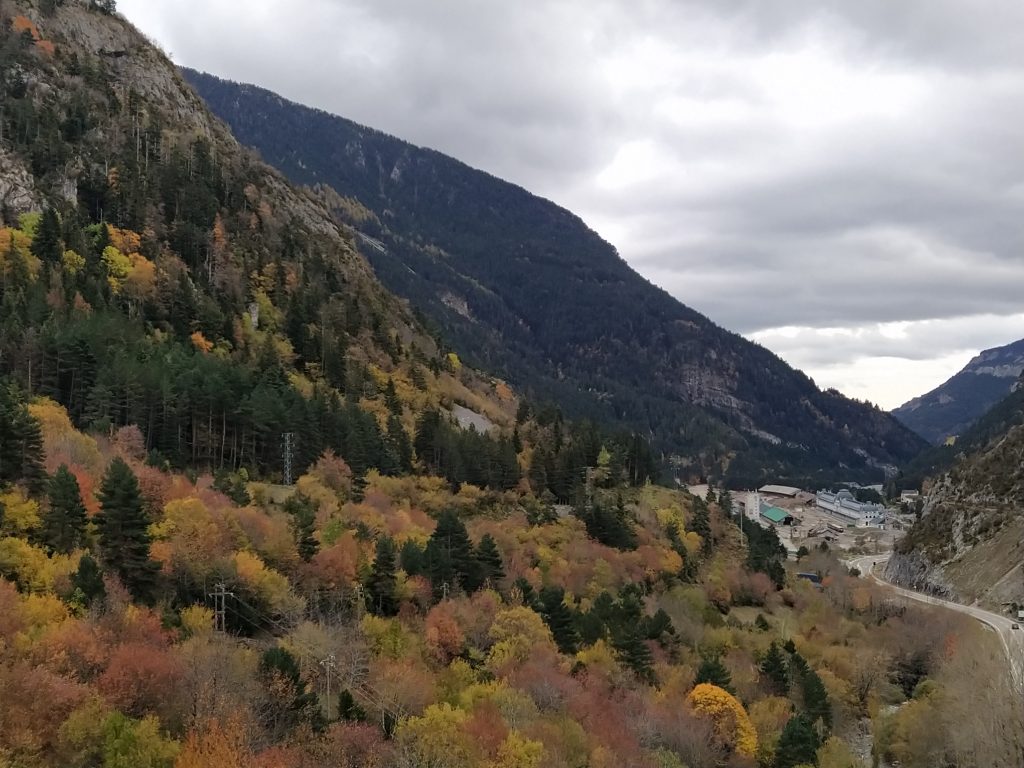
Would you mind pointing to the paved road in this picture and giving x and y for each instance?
(1012, 639)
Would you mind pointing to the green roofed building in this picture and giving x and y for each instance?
(776, 515)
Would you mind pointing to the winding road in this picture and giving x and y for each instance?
(1012, 639)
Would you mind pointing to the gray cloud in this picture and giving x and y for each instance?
(800, 163)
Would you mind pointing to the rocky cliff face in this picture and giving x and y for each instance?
(17, 190)
(969, 543)
(913, 570)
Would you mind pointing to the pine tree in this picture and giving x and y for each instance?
(712, 670)
(437, 564)
(63, 524)
(411, 558)
(380, 587)
(349, 709)
(398, 439)
(725, 501)
(816, 703)
(21, 442)
(798, 744)
(775, 671)
(303, 523)
(527, 594)
(559, 619)
(634, 652)
(701, 525)
(47, 245)
(491, 567)
(122, 524)
(659, 625)
(451, 538)
(391, 399)
(88, 582)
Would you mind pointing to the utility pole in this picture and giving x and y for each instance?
(289, 446)
(329, 664)
(220, 597)
(589, 486)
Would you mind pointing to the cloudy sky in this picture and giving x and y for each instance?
(841, 180)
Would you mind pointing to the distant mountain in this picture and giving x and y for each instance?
(530, 293)
(951, 408)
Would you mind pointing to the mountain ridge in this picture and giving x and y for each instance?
(959, 402)
(532, 294)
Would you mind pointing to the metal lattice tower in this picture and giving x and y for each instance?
(289, 449)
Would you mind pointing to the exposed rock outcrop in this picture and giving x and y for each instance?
(913, 570)
(17, 190)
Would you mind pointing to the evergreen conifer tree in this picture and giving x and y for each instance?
(775, 671)
(348, 707)
(400, 444)
(63, 524)
(712, 670)
(491, 567)
(88, 581)
(21, 441)
(816, 703)
(411, 558)
(380, 587)
(634, 652)
(450, 538)
(437, 564)
(659, 625)
(391, 399)
(701, 525)
(527, 593)
(122, 524)
(47, 245)
(798, 744)
(303, 523)
(559, 619)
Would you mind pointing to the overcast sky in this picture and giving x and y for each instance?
(841, 180)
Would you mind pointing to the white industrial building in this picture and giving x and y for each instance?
(844, 505)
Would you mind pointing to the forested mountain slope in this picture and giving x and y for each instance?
(156, 273)
(533, 295)
(951, 408)
(968, 542)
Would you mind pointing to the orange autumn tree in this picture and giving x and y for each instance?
(732, 725)
(216, 747)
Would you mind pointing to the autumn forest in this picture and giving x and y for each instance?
(241, 523)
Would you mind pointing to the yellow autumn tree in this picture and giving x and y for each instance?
(21, 514)
(16, 254)
(518, 752)
(72, 263)
(117, 266)
(437, 738)
(732, 725)
(517, 633)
